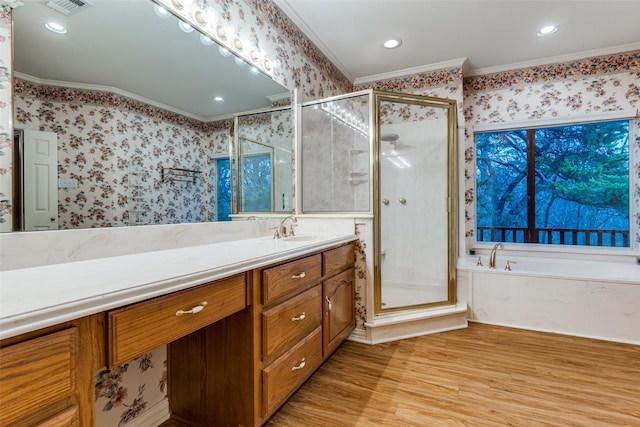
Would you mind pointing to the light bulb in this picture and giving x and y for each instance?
(185, 27)
(160, 11)
(205, 40)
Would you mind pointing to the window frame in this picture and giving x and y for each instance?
(599, 252)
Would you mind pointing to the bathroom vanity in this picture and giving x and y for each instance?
(242, 335)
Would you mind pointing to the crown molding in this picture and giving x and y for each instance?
(454, 63)
(302, 26)
(554, 60)
(117, 91)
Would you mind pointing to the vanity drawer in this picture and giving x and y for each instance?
(284, 279)
(37, 373)
(338, 259)
(284, 324)
(141, 327)
(283, 376)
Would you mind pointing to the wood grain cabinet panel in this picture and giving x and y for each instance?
(282, 377)
(37, 373)
(338, 259)
(339, 312)
(284, 324)
(290, 278)
(68, 418)
(141, 327)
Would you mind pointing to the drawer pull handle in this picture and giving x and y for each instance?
(329, 305)
(299, 276)
(195, 310)
(299, 365)
(301, 316)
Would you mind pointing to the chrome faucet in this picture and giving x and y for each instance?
(492, 257)
(283, 226)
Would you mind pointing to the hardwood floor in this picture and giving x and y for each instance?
(480, 376)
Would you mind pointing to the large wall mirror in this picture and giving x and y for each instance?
(126, 118)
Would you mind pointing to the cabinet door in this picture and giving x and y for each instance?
(37, 373)
(339, 309)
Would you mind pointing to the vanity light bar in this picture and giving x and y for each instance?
(207, 19)
(69, 7)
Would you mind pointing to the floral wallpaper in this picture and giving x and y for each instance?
(118, 140)
(126, 391)
(6, 132)
(579, 88)
(116, 149)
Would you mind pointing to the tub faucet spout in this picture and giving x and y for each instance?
(492, 257)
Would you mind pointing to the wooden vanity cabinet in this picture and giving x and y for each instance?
(143, 326)
(46, 376)
(308, 332)
(241, 369)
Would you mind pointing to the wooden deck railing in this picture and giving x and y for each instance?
(556, 236)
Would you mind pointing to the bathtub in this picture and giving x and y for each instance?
(621, 272)
(592, 299)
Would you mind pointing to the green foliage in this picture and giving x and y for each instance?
(581, 177)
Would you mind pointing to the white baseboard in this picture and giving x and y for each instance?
(359, 335)
(398, 326)
(153, 416)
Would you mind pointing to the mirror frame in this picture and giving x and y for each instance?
(236, 157)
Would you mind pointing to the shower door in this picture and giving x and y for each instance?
(415, 227)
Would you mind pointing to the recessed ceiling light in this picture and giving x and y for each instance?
(547, 30)
(392, 43)
(56, 28)
(218, 98)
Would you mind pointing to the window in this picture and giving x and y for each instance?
(256, 177)
(223, 192)
(561, 185)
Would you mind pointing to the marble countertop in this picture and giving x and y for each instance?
(37, 297)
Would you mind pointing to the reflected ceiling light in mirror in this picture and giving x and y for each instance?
(55, 27)
(254, 70)
(205, 40)
(187, 28)
(224, 51)
(345, 117)
(160, 11)
(218, 99)
(239, 61)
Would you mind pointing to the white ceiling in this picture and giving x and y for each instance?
(125, 45)
(494, 35)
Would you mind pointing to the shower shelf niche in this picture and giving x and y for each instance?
(357, 176)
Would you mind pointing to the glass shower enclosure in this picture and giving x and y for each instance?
(392, 156)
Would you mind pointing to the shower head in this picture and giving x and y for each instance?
(389, 137)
